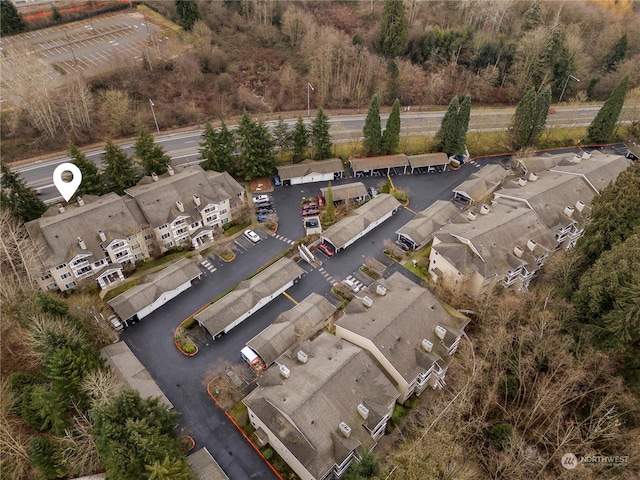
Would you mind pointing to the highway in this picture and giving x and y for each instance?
(183, 147)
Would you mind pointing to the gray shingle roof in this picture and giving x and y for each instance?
(428, 159)
(157, 200)
(59, 232)
(154, 285)
(385, 161)
(397, 323)
(292, 327)
(482, 183)
(421, 228)
(331, 165)
(304, 411)
(359, 219)
(346, 191)
(205, 466)
(127, 366)
(247, 294)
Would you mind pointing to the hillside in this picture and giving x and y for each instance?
(260, 55)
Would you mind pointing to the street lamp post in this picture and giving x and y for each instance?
(309, 88)
(565, 86)
(154, 115)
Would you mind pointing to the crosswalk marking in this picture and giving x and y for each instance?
(206, 264)
(284, 239)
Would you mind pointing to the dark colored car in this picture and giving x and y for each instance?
(264, 211)
(312, 224)
(262, 218)
(326, 249)
(276, 181)
(309, 205)
(310, 211)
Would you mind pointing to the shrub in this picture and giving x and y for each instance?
(500, 435)
(267, 453)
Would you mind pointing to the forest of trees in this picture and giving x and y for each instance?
(258, 55)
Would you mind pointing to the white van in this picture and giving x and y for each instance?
(253, 359)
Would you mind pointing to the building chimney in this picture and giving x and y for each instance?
(484, 209)
(154, 176)
(580, 206)
(427, 345)
(196, 199)
(522, 182)
(171, 171)
(531, 245)
(83, 246)
(363, 411)
(576, 159)
(568, 211)
(80, 201)
(517, 251)
(381, 290)
(345, 429)
(586, 155)
(441, 332)
(533, 177)
(302, 357)
(180, 205)
(284, 371)
(61, 208)
(471, 216)
(103, 237)
(367, 301)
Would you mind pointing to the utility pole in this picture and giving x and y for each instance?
(309, 88)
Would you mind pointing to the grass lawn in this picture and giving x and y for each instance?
(160, 261)
(236, 228)
(419, 271)
(123, 287)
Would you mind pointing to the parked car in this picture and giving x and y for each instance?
(262, 218)
(260, 198)
(308, 205)
(321, 201)
(116, 323)
(251, 235)
(266, 204)
(276, 181)
(326, 249)
(264, 211)
(403, 245)
(310, 211)
(355, 288)
(311, 224)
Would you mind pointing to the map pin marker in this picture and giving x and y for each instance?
(67, 189)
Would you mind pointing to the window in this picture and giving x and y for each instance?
(165, 235)
(162, 227)
(168, 244)
(225, 220)
(138, 256)
(135, 246)
(46, 277)
(61, 266)
(148, 236)
(69, 285)
(65, 275)
(180, 231)
(224, 210)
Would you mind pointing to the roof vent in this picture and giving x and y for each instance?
(576, 159)
(154, 176)
(531, 245)
(103, 237)
(367, 301)
(284, 371)
(568, 210)
(580, 206)
(471, 216)
(61, 208)
(533, 177)
(363, 411)
(302, 357)
(80, 201)
(180, 205)
(196, 199)
(381, 290)
(171, 171)
(345, 429)
(427, 345)
(586, 155)
(484, 209)
(522, 182)
(517, 251)
(441, 332)
(83, 245)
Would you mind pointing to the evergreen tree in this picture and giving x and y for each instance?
(394, 29)
(12, 21)
(207, 149)
(300, 141)
(257, 158)
(464, 116)
(391, 135)
(188, 13)
(320, 137)
(618, 54)
(372, 129)
(447, 137)
(119, 173)
(282, 136)
(168, 469)
(21, 200)
(532, 17)
(151, 155)
(603, 125)
(330, 211)
(44, 457)
(226, 149)
(56, 16)
(543, 102)
(91, 182)
(522, 120)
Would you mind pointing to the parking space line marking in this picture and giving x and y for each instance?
(407, 208)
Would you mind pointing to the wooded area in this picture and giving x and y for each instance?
(259, 55)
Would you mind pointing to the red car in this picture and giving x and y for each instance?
(310, 211)
(309, 205)
(326, 249)
(321, 200)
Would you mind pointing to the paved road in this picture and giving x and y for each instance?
(183, 147)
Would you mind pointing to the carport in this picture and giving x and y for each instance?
(361, 221)
(418, 232)
(428, 162)
(348, 192)
(480, 185)
(384, 165)
(311, 171)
